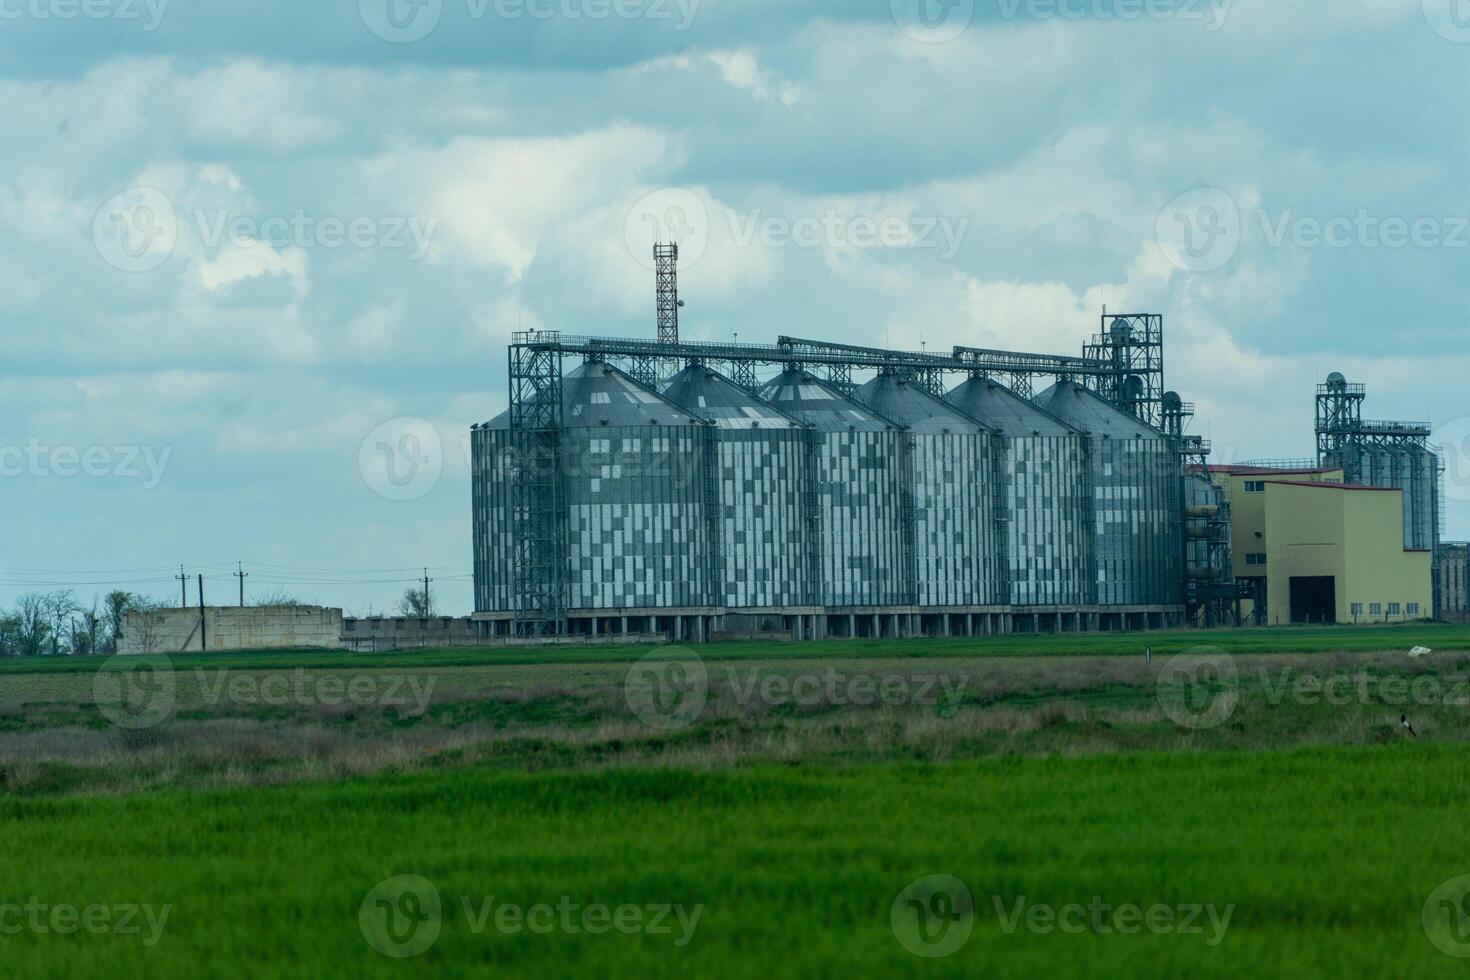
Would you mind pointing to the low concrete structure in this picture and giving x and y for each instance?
(408, 633)
(231, 628)
(820, 623)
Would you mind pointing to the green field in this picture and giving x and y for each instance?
(1305, 639)
(786, 816)
(1327, 857)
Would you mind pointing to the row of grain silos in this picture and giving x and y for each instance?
(705, 496)
(1413, 469)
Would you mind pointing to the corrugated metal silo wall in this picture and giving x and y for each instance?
(863, 492)
(638, 537)
(1049, 550)
(1416, 472)
(1138, 522)
(763, 526)
(493, 543)
(954, 519)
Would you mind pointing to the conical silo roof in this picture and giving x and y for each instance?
(501, 421)
(812, 400)
(1005, 411)
(1087, 411)
(597, 395)
(712, 396)
(908, 404)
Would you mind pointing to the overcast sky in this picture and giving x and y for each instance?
(243, 246)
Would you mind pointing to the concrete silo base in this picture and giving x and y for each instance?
(702, 625)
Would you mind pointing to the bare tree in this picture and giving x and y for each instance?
(9, 635)
(88, 631)
(416, 605)
(32, 625)
(115, 609)
(60, 606)
(279, 597)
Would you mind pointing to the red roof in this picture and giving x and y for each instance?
(1268, 470)
(1332, 486)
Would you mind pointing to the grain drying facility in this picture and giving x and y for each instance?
(673, 487)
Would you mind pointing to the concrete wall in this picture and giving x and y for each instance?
(407, 633)
(231, 628)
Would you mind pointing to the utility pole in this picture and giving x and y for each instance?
(183, 588)
(242, 575)
(203, 640)
(427, 607)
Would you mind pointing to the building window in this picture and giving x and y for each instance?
(1393, 608)
(1357, 609)
(1413, 609)
(1256, 559)
(1255, 486)
(1375, 609)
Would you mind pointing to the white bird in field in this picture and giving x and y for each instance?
(1419, 651)
(1404, 721)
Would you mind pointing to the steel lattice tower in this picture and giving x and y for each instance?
(666, 259)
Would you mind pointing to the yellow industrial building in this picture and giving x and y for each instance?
(1318, 550)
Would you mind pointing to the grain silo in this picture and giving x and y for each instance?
(1138, 543)
(492, 458)
(766, 534)
(1413, 469)
(862, 493)
(1047, 556)
(635, 472)
(954, 491)
(633, 475)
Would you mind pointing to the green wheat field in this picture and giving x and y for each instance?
(1013, 807)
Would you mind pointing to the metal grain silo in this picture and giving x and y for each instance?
(765, 531)
(1138, 542)
(956, 547)
(1046, 550)
(1415, 470)
(635, 478)
(490, 481)
(862, 493)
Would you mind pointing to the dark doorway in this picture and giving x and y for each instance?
(1314, 600)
